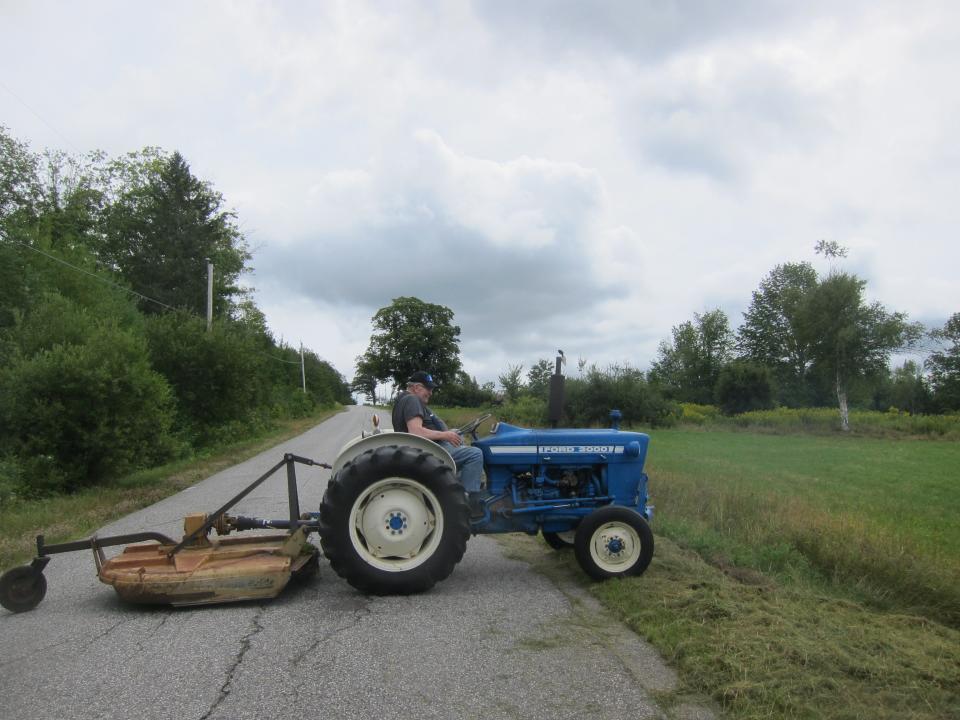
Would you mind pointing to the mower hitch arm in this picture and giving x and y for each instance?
(289, 460)
(95, 542)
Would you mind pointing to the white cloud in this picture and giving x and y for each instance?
(560, 174)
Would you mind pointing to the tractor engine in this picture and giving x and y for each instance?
(554, 478)
(554, 483)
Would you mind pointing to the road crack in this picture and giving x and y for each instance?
(358, 616)
(245, 643)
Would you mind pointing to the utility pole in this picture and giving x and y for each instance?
(209, 295)
(303, 370)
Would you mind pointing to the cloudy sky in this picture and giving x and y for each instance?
(561, 175)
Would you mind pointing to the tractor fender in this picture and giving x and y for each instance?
(360, 445)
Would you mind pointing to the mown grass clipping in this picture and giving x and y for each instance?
(766, 650)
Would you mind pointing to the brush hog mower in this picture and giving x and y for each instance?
(196, 570)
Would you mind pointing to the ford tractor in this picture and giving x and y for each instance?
(395, 520)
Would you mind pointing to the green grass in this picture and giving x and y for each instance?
(825, 421)
(69, 517)
(768, 649)
(877, 515)
(765, 648)
(799, 576)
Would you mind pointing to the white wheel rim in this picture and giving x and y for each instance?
(396, 524)
(615, 547)
(569, 537)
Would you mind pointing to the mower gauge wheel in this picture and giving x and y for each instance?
(22, 588)
(613, 541)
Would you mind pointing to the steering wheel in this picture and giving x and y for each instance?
(471, 427)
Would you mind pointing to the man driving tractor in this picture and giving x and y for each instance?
(411, 415)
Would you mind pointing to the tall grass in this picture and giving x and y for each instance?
(875, 516)
(826, 421)
(765, 648)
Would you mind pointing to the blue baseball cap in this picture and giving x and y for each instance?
(424, 378)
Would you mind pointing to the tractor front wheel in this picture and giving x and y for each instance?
(613, 541)
(394, 520)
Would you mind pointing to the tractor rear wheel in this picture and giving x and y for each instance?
(394, 520)
(613, 541)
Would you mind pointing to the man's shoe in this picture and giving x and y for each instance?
(475, 500)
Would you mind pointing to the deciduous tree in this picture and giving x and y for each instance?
(769, 334)
(688, 367)
(538, 378)
(944, 365)
(907, 389)
(847, 338)
(512, 381)
(410, 335)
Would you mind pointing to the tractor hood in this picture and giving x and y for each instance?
(511, 445)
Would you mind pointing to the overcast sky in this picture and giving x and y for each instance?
(582, 176)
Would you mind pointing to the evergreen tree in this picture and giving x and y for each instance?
(160, 233)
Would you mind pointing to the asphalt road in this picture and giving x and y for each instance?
(495, 640)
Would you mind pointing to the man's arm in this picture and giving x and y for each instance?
(415, 427)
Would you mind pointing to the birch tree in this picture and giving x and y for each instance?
(846, 337)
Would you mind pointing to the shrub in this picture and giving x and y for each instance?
(81, 412)
(862, 422)
(694, 414)
(525, 411)
(744, 386)
(590, 400)
(11, 483)
(217, 377)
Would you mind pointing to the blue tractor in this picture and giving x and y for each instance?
(394, 519)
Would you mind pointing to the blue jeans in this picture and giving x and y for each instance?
(469, 462)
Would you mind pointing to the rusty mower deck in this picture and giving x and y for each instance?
(198, 569)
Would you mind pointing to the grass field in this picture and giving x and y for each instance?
(804, 576)
(798, 575)
(877, 514)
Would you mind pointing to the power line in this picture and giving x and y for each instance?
(121, 287)
(86, 272)
(272, 357)
(40, 117)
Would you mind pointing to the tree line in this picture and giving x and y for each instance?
(806, 341)
(106, 362)
(811, 341)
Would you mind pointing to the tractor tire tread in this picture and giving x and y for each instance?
(347, 485)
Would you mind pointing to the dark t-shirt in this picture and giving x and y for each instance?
(409, 406)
